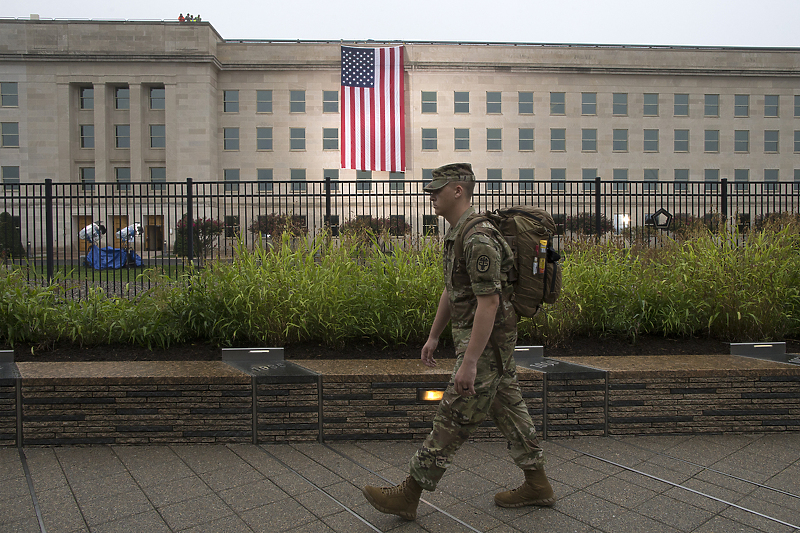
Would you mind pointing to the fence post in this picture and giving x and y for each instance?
(48, 223)
(190, 220)
(597, 216)
(328, 201)
(724, 199)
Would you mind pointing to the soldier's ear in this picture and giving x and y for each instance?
(458, 191)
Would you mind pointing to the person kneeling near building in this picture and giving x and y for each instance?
(484, 383)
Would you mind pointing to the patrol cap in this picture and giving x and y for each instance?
(452, 172)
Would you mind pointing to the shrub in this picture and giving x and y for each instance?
(10, 238)
(586, 224)
(204, 233)
(275, 225)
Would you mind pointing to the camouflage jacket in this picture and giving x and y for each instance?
(487, 260)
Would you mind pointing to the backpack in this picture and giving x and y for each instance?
(528, 231)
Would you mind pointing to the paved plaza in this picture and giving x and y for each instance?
(703, 484)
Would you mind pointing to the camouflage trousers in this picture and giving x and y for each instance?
(459, 416)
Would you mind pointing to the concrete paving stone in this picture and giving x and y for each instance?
(702, 451)
(10, 464)
(631, 522)
(45, 469)
(27, 525)
(228, 524)
(656, 467)
(618, 451)
(549, 520)
(318, 503)
(101, 510)
(85, 490)
(148, 522)
(620, 492)
(254, 495)
(464, 485)
(600, 466)
(88, 462)
(657, 443)
(713, 490)
(176, 491)
(191, 513)
(674, 513)
(395, 453)
(135, 457)
(86, 471)
(590, 509)
(15, 509)
(59, 510)
(721, 524)
(732, 441)
(232, 476)
(681, 465)
(256, 457)
(783, 510)
(316, 527)
(575, 475)
(787, 480)
(783, 441)
(473, 516)
(362, 456)
(696, 500)
(643, 481)
(291, 483)
(553, 450)
(340, 522)
(346, 492)
(470, 457)
(206, 458)
(277, 516)
(758, 470)
(499, 472)
(161, 473)
(726, 482)
(14, 488)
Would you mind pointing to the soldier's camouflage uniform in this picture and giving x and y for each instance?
(497, 394)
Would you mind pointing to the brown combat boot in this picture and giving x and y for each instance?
(401, 500)
(535, 491)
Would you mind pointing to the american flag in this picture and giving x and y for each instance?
(373, 115)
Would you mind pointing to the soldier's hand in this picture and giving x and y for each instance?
(465, 380)
(427, 352)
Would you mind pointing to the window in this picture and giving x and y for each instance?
(589, 140)
(558, 104)
(771, 103)
(494, 104)
(157, 98)
(588, 103)
(230, 101)
(711, 143)
(264, 101)
(797, 105)
(427, 176)
(526, 179)
(10, 135)
(87, 136)
(122, 135)
(429, 102)
(158, 178)
(86, 97)
(681, 105)
(264, 177)
(741, 178)
(711, 177)
(461, 102)
(650, 180)
(588, 176)
(651, 140)
(558, 179)
(397, 181)
(650, 108)
(230, 138)
(711, 108)
(771, 179)
(741, 141)
(231, 225)
(9, 96)
(526, 139)
(796, 141)
(430, 224)
(122, 175)
(620, 140)
(330, 138)
(681, 179)
(297, 101)
(620, 182)
(10, 178)
(297, 139)
(525, 103)
(264, 139)
(87, 178)
(494, 139)
(771, 141)
(231, 178)
(461, 139)
(122, 98)
(797, 179)
(333, 174)
(158, 136)
(620, 104)
(363, 180)
(494, 179)
(330, 101)
(429, 139)
(681, 140)
(558, 140)
(741, 105)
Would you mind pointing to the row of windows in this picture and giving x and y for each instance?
(297, 101)
(122, 136)
(122, 98)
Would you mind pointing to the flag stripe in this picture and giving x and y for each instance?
(372, 109)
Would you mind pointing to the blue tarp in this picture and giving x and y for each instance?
(108, 257)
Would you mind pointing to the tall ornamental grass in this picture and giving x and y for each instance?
(364, 288)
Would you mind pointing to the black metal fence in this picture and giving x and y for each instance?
(199, 221)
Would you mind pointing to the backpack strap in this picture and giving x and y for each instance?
(460, 268)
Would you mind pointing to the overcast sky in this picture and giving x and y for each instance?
(763, 23)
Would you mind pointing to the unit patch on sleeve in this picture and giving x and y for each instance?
(483, 263)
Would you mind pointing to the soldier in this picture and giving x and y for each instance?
(476, 299)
